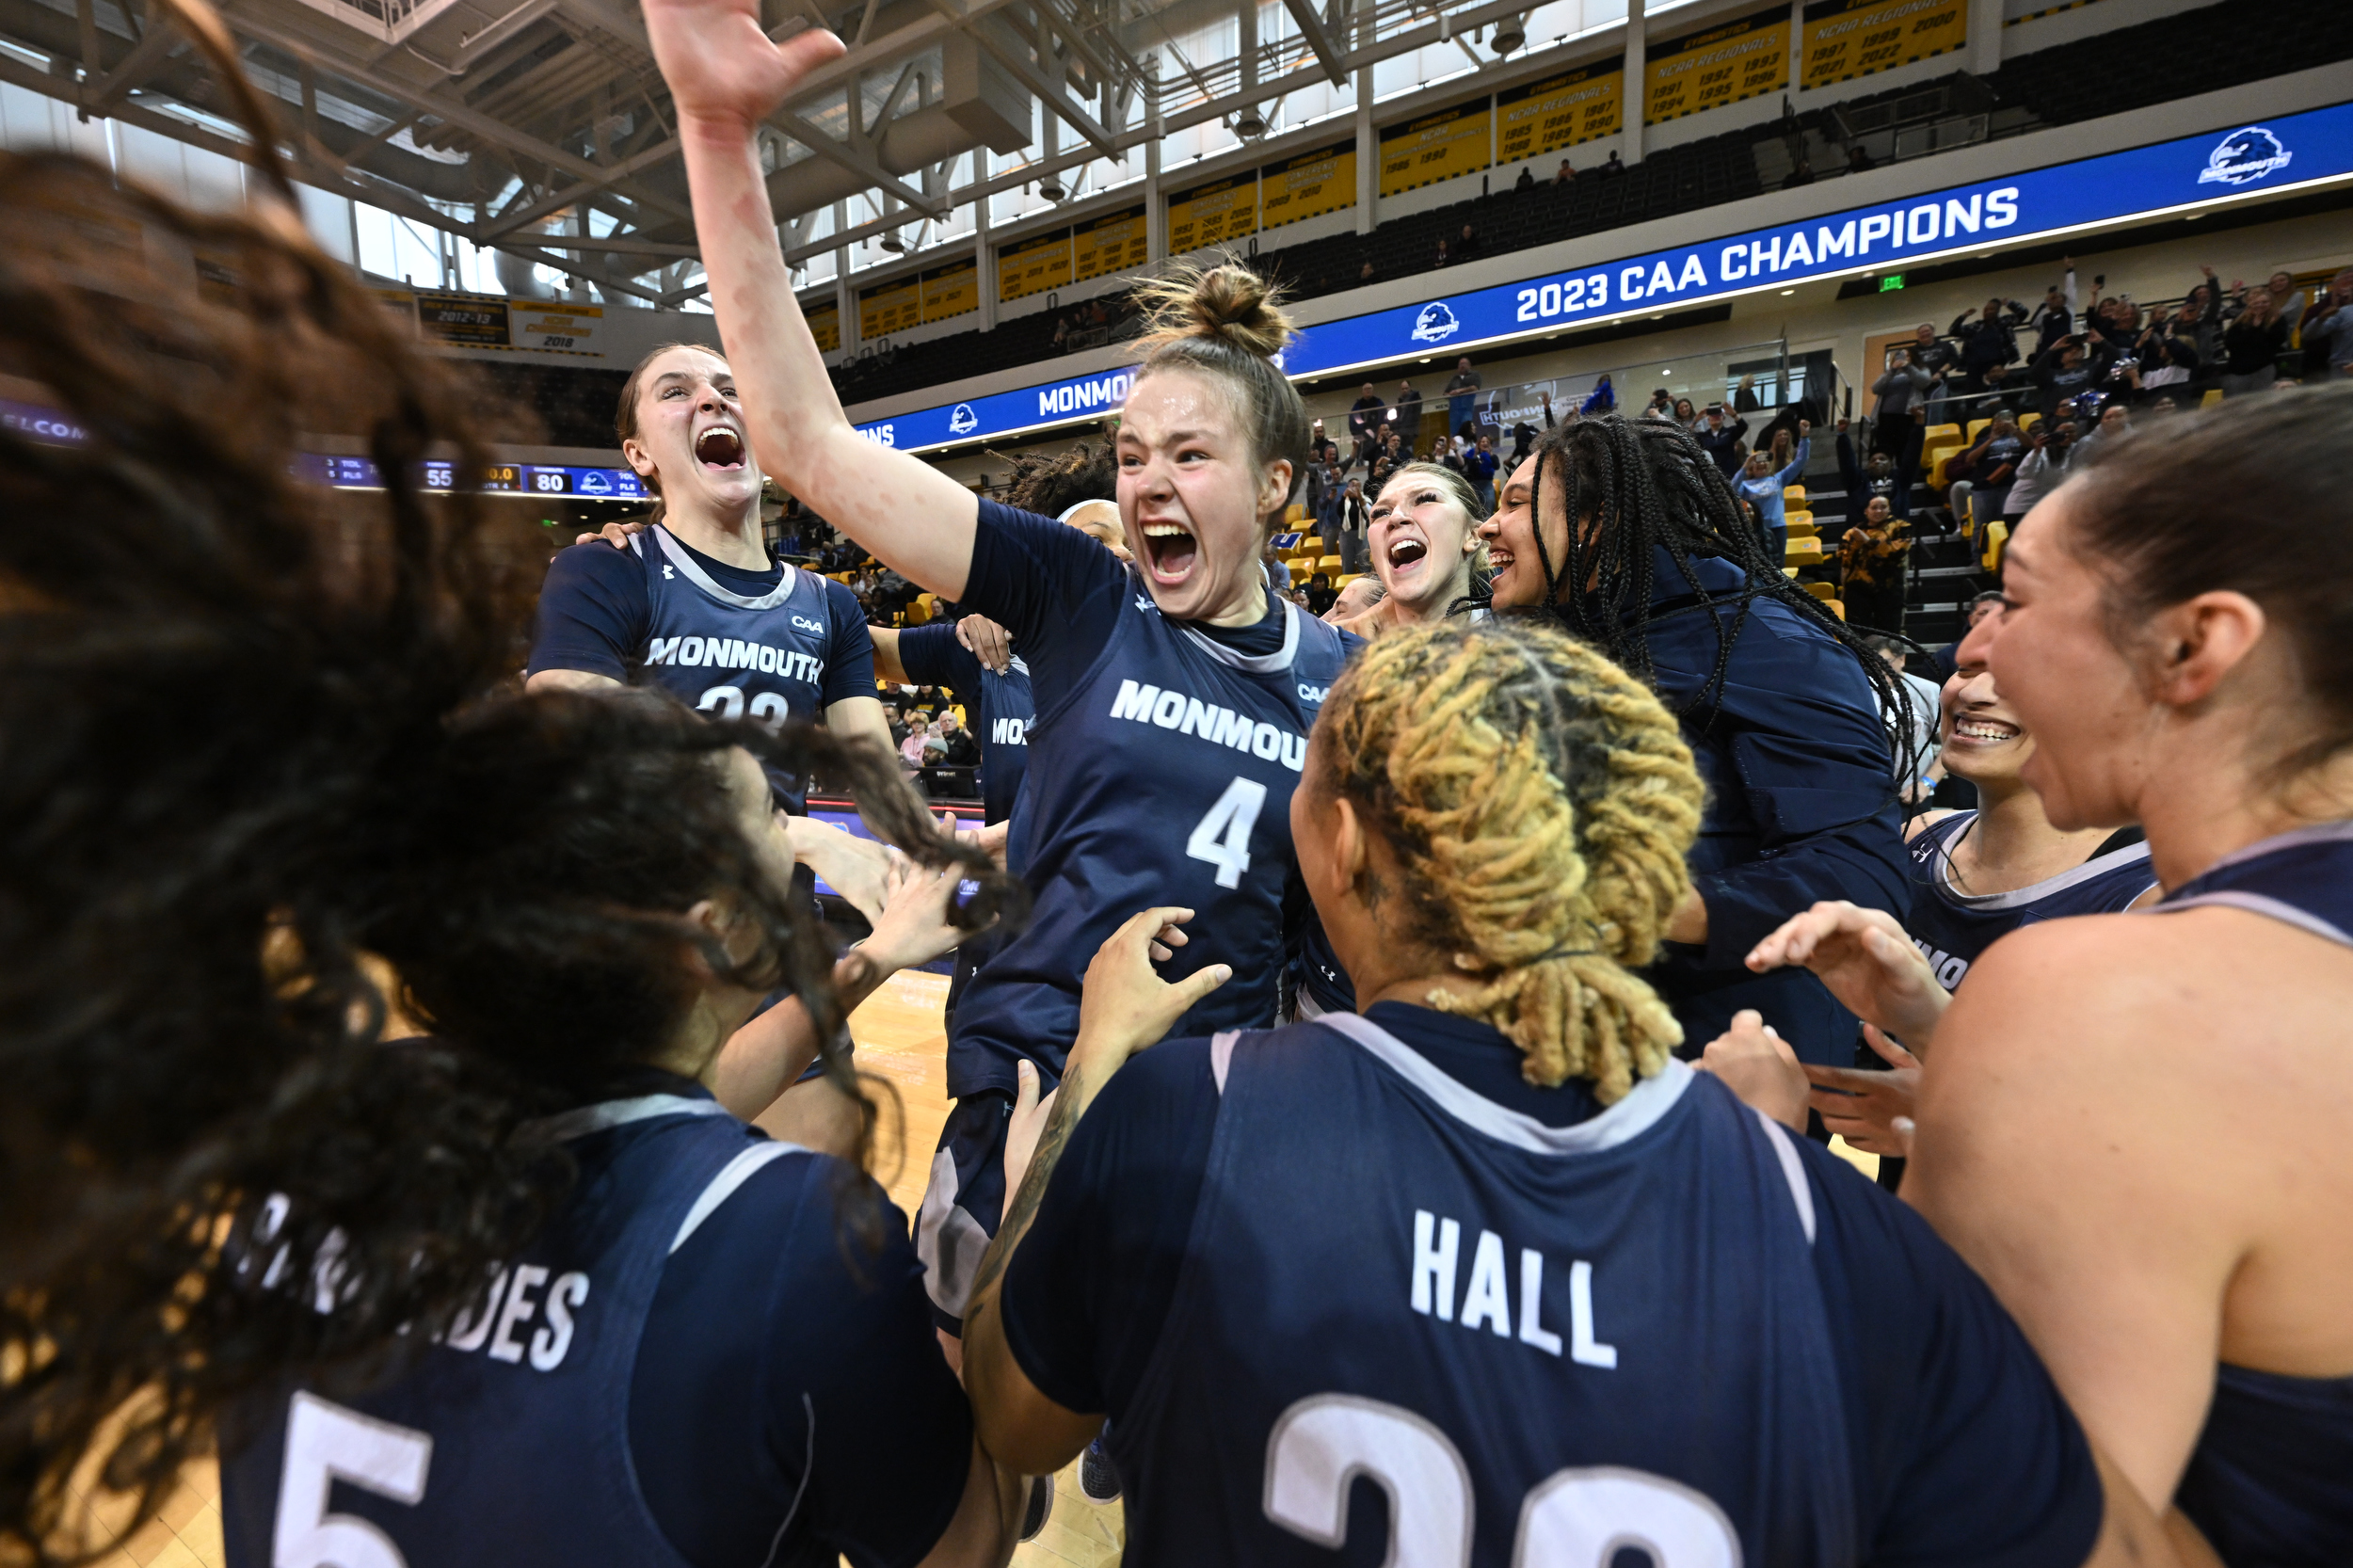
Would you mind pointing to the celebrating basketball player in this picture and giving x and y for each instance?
(1173, 693)
(1774, 694)
(1489, 1246)
(2134, 1124)
(513, 1289)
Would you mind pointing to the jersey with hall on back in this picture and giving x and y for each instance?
(1537, 1340)
(767, 646)
(1162, 762)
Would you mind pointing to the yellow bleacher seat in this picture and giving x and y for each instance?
(2213, 395)
(1789, 571)
(1329, 565)
(1935, 433)
(1803, 548)
(1312, 544)
(1978, 427)
(1821, 590)
(1997, 536)
(1344, 581)
(2028, 420)
(1793, 493)
(1295, 512)
(1797, 519)
(1299, 571)
(1838, 607)
(918, 612)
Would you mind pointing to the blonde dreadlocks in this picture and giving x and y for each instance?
(1539, 801)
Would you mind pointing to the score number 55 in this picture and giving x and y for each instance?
(1565, 297)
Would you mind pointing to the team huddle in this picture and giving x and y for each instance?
(1393, 1054)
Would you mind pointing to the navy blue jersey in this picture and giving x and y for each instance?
(1163, 760)
(931, 656)
(1539, 1339)
(2269, 1482)
(1952, 927)
(533, 1432)
(769, 647)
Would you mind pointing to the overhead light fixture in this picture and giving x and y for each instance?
(1510, 34)
(1051, 188)
(892, 243)
(1249, 122)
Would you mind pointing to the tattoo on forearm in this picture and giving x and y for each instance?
(1024, 1206)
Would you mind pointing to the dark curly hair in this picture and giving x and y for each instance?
(1051, 484)
(259, 742)
(1647, 486)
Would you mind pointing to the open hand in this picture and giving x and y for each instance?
(1757, 1064)
(1871, 1111)
(914, 927)
(1126, 1006)
(723, 69)
(1867, 962)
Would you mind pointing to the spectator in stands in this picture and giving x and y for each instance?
(1320, 594)
(1601, 400)
(2329, 330)
(1744, 398)
(1612, 167)
(1903, 385)
(2164, 366)
(1367, 273)
(1719, 439)
(1871, 561)
(1660, 406)
(1762, 482)
(1524, 439)
(1352, 518)
(1479, 467)
(1442, 258)
(2114, 430)
(1940, 665)
(961, 749)
(2050, 453)
(2004, 390)
(1565, 175)
(1408, 421)
(1527, 180)
(1685, 415)
(1467, 243)
(2287, 301)
(1801, 175)
(2203, 306)
(2056, 317)
(2252, 346)
(1874, 476)
(911, 748)
(1922, 746)
(1860, 161)
(2066, 371)
(1989, 467)
(1365, 413)
(1462, 396)
(1988, 340)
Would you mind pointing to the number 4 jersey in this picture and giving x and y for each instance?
(769, 646)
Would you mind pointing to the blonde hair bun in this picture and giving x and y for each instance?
(1226, 302)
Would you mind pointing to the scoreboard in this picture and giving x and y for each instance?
(595, 484)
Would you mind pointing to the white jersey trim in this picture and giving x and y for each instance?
(1261, 664)
(1792, 1171)
(613, 1113)
(1941, 866)
(1629, 1119)
(735, 1174)
(694, 573)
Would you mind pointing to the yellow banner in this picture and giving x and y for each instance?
(825, 324)
(951, 291)
(1722, 65)
(1844, 39)
(889, 308)
(1112, 243)
(1209, 214)
(1562, 111)
(1435, 147)
(1312, 184)
(1034, 265)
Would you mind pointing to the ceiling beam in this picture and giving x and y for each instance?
(556, 201)
(134, 70)
(1311, 28)
(1016, 57)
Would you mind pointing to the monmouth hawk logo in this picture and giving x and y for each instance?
(1435, 324)
(2244, 158)
(962, 420)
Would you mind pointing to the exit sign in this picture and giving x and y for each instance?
(1890, 283)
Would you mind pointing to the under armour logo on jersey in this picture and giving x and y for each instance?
(1143, 603)
(668, 571)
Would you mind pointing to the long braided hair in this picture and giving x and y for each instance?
(1632, 486)
(1539, 802)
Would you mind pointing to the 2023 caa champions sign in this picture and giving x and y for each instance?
(2294, 151)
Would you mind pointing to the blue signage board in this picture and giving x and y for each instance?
(2290, 152)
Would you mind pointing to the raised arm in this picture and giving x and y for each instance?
(726, 76)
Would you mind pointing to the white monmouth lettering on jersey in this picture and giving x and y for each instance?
(510, 1304)
(1009, 732)
(733, 653)
(1950, 967)
(1486, 1302)
(1190, 716)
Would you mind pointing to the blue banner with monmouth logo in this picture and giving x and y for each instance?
(2294, 150)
